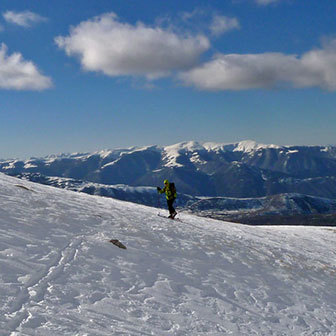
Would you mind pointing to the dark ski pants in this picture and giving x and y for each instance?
(170, 206)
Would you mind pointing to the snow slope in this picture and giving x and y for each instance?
(61, 276)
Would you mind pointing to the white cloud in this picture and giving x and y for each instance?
(18, 74)
(320, 66)
(24, 19)
(316, 68)
(222, 24)
(115, 48)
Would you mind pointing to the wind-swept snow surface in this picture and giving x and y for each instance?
(61, 276)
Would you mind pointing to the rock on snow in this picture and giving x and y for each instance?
(61, 276)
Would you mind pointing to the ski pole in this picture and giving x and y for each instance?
(159, 205)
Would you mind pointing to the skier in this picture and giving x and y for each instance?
(170, 191)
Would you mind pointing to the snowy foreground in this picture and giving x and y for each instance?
(61, 276)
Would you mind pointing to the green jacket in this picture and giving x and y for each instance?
(169, 194)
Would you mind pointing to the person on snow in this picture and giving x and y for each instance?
(170, 191)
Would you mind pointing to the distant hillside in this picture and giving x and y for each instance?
(243, 169)
(289, 208)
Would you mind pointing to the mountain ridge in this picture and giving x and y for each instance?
(242, 169)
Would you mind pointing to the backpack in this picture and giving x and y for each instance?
(172, 188)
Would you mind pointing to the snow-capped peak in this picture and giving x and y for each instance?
(219, 147)
(248, 146)
(171, 153)
(187, 146)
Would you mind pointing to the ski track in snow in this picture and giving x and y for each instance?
(35, 289)
(60, 275)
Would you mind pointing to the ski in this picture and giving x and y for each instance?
(172, 219)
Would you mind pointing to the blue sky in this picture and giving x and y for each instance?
(78, 76)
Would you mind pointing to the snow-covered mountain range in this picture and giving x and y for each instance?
(243, 169)
(59, 275)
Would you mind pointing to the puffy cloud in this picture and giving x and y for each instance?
(316, 68)
(18, 74)
(237, 72)
(320, 67)
(222, 24)
(23, 19)
(115, 48)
